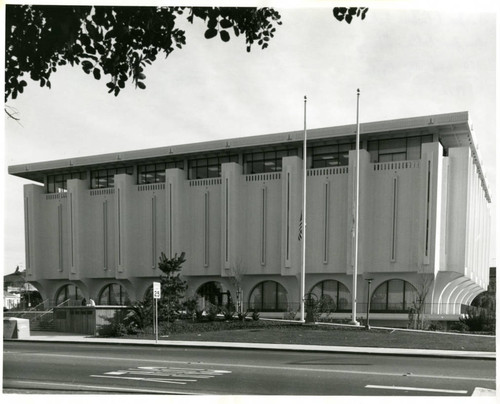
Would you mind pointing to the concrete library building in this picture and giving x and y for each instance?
(95, 226)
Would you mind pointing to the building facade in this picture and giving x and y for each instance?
(96, 226)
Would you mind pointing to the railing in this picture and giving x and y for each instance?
(58, 195)
(37, 307)
(451, 309)
(396, 165)
(205, 182)
(327, 171)
(102, 191)
(68, 302)
(21, 307)
(50, 311)
(262, 177)
(151, 187)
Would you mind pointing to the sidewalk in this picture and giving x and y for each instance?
(77, 338)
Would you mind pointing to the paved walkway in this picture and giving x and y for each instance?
(77, 338)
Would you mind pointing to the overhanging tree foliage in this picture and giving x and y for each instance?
(120, 41)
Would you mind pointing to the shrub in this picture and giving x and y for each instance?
(137, 317)
(290, 315)
(242, 315)
(478, 320)
(119, 330)
(255, 315)
(434, 326)
(212, 310)
(228, 312)
(115, 327)
(193, 311)
(458, 326)
(315, 308)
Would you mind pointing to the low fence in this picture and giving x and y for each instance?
(362, 307)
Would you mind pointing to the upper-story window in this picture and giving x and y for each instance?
(105, 178)
(209, 167)
(155, 172)
(59, 182)
(331, 155)
(266, 161)
(398, 149)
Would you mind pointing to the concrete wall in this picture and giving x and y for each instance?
(421, 216)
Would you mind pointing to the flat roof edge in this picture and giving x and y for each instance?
(235, 143)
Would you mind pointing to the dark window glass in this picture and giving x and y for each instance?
(213, 293)
(114, 294)
(335, 292)
(394, 295)
(160, 176)
(331, 155)
(201, 172)
(266, 162)
(209, 167)
(58, 182)
(105, 178)
(69, 295)
(398, 149)
(379, 298)
(153, 173)
(268, 296)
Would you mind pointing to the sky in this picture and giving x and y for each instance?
(406, 62)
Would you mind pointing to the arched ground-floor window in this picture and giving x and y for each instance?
(394, 295)
(113, 294)
(213, 292)
(268, 296)
(336, 292)
(70, 294)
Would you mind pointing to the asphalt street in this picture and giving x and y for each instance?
(81, 368)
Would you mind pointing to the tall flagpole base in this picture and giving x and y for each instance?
(354, 322)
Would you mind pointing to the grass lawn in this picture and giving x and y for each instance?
(285, 333)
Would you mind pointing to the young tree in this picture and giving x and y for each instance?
(423, 288)
(120, 41)
(238, 271)
(173, 288)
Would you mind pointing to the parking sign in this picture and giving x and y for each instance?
(156, 290)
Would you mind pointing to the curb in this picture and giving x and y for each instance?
(273, 347)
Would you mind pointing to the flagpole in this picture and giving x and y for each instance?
(356, 222)
(303, 266)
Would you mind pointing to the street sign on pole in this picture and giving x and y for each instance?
(156, 290)
(156, 297)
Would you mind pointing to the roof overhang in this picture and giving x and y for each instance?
(453, 129)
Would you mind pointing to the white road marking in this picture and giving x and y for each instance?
(146, 379)
(480, 379)
(192, 378)
(281, 368)
(372, 386)
(33, 384)
(158, 374)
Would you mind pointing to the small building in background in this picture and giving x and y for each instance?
(18, 293)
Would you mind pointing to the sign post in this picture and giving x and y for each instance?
(156, 297)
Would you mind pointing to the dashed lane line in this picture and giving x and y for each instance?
(423, 389)
(70, 386)
(144, 379)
